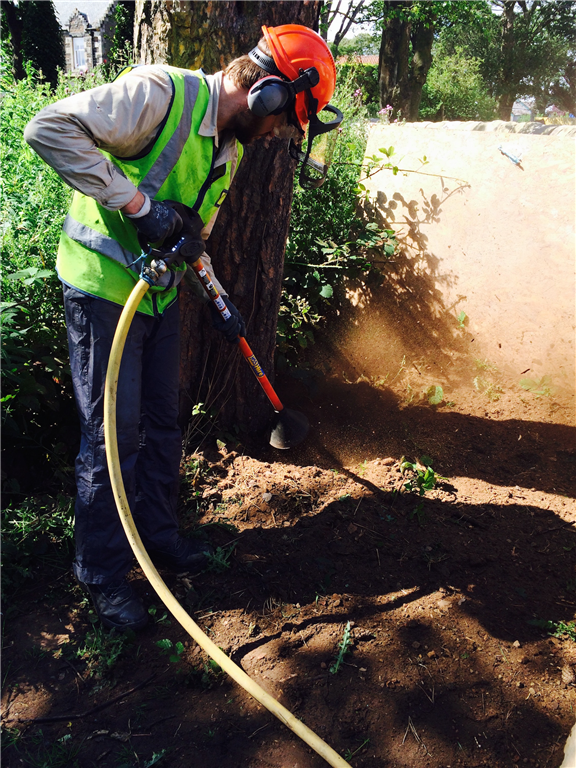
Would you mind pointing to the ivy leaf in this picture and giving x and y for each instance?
(327, 292)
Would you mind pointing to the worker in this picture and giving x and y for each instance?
(151, 156)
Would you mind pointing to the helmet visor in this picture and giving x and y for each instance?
(318, 150)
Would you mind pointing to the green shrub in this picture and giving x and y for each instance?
(364, 76)
(455, 90)
(38, 417)
(327, 239)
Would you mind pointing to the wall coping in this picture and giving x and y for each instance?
(494, 126)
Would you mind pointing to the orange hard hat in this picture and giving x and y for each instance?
(295, 49)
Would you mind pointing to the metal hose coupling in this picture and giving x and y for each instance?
(152, 272)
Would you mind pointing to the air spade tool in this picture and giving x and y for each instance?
(290, 427)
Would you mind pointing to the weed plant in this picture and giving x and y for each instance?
(34, 531)
(344, 647)
(421, 477)
(174, 651)
(560, 629)
(102, 650)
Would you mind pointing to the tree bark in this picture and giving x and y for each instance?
(393, 69)
(422, 39)
(248, 241)
(507, 79)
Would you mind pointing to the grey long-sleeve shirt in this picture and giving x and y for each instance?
(121, 118)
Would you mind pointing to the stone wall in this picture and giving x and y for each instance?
(487, 248)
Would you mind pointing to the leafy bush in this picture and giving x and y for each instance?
(327, 239)
(364, 76)
(363, 44)
(37, 411)
(455, 90)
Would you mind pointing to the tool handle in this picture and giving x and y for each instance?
(259, 373)
(250, 357)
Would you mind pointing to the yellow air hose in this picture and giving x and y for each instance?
(111, 439)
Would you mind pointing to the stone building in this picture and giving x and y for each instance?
(87, 30)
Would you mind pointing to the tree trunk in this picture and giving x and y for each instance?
(422, 39)
(507, 79)
(248, 241)
(393, 69)
(14, 22)
(505, 104)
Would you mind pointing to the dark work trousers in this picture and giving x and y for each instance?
(149, 439)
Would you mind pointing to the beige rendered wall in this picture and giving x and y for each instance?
(480, 235)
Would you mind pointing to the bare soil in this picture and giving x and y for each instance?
(444, 668)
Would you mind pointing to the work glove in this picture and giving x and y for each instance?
(161, 222)
(186, 244)
(231, 328)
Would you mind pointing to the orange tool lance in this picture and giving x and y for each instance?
(291, 427)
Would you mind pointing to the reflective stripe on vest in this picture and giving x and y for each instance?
(96, 241)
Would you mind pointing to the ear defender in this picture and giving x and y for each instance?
(269, 96)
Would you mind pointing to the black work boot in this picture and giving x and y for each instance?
(188, 555)
(116, 605)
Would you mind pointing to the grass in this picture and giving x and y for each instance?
(344, 647)
(35, 752)
(348, 755)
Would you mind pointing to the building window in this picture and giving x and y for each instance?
(79, 52)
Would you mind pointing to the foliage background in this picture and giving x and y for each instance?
(455, 89)
(38, 417)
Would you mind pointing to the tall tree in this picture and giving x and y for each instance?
(12, 29)
(530, 53)
(523, 46)
(563, 90)
(408, 29)
(248, 242)
(34, 36)
(42, 39)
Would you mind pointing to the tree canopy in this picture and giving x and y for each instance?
(516, 48)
